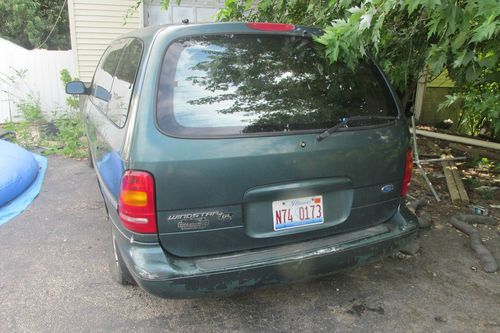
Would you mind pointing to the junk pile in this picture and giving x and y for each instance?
(440, 165)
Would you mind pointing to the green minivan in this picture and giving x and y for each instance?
(234, 155)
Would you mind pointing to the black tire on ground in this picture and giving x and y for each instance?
(118, 269)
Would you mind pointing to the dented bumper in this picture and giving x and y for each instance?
(169, 276)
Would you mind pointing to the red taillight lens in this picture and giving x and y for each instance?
(407, 175)
(266, 26)
(136, 205)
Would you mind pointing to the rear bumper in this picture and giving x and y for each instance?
(168, 276)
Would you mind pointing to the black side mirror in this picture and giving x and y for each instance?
(76, 88)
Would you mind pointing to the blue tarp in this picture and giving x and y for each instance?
(18, 170)
(24, 199)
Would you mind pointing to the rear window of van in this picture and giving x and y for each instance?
(237, 85)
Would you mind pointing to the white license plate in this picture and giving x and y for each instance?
(297, 212)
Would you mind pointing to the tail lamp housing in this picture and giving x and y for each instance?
(407, 174)
(136, 203)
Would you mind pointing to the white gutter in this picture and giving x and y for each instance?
(459, 139)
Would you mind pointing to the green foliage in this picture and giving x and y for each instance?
(63, 134)
(29, 22)
(27, 133)
(479, 102)
(479, 108)
(70, 136)
(30, 111)
(472, 182)
(485, 163)
(486, 194)
(69, 124)
(72, 101)
(396, 41)
(405, 34)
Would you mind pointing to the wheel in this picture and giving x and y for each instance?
(89, 156)
(118, 269)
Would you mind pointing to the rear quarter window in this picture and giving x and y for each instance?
(237, 85)
(103, 77)
(123, 82)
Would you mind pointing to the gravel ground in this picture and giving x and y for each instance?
(54, 278)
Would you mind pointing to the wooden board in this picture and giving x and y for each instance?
(476, 151)
(450, 182)
(464, 197)
(454, 182)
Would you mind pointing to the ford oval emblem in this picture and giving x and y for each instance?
(387, 188)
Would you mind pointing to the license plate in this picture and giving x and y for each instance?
(297, 212)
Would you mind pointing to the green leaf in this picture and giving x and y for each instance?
(437, 58)
(366, 19)
(459, 40)
(484, 31)
(413, 6)
(463, 58)
(164, 4)
(472, 73)
(488, 61)
(355, 10)
(248, 4)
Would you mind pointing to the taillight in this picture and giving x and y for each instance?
(266, 26)
(136, 205)
(407, 175)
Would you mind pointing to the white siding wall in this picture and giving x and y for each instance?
(197, 11)
(41, 80)
(94, 24)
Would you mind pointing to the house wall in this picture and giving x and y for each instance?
(196, 11)
(31, 76)
(434, 93)
(94, 24)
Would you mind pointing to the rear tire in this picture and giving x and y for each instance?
(117, 267)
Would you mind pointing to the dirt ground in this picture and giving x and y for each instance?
(54, 276)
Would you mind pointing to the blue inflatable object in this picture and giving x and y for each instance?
(18, 170)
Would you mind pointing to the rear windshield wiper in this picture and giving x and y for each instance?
(344, 121)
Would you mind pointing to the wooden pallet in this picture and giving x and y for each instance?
(454, 182)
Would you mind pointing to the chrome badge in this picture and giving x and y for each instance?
(387, 188)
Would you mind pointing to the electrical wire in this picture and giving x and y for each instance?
(54, 26)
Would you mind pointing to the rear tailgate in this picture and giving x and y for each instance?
(219, 198)
(235, 135)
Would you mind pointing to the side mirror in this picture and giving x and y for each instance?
(76, 88)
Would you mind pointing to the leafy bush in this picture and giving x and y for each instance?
(71, 101)
(63, 134)
(27, 129)
(479, 108)
(70, 135)
(70, 124)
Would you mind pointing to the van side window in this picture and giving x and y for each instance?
(123, 83)
(103, 77)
